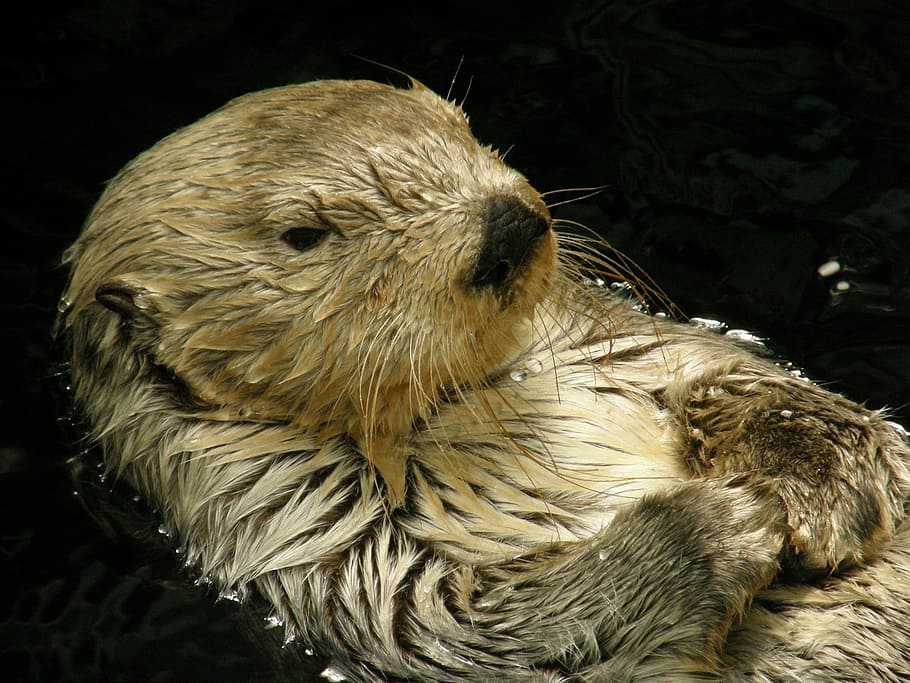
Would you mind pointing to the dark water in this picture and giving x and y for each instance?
(744, 144)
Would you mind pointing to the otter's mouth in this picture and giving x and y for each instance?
(513, 233)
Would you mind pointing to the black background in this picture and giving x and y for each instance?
(742, 144)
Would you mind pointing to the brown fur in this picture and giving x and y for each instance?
(441, 481)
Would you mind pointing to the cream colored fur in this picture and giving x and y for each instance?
(434, 481)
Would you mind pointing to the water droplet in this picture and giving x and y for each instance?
(64, 305)
(786, 414)
(708, 324)
(745, 336)
(136, 499)
(798, 374)
(661, 314)
(68, 388)
(899, 428)
(840, 287)
(332, 674)
(865, 418)
(598, 282)
(273, 621)
(202, 581)
(178, 551)
(534, 366)
(230, 595)
(165, 531)
(309, 652)
(519, 374)
(602, 555)
(829, 268)
(696, 432)
(620, 285)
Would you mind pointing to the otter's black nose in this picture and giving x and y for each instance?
(511, 235)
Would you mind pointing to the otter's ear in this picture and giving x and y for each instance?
(123, 298)
(119, 299)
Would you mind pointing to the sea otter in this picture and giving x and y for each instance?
(337, 343)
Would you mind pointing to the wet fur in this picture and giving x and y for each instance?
(427, 481)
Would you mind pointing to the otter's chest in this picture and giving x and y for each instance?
(549, 453)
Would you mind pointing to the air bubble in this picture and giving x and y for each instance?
(534, 366)
(603, 554)
(786, 414)
(202, 581)
(165, 531)
(309, 652)
(64, 305)
(899, 428)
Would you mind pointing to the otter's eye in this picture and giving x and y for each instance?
(304, 238)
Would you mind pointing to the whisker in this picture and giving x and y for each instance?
(576, 199)
(466, 92)
(598, 188)
(455, 76)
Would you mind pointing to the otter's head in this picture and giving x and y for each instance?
(328, 254)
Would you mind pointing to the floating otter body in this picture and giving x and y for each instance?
(333, 340)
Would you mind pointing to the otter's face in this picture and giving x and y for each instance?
(318, 251)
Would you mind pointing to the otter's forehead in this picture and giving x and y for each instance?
(344, 114)
(328, 137)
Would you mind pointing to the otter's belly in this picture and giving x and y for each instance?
(540, 457)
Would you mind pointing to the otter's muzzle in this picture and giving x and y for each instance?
(512, 234)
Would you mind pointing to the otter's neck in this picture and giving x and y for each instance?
(382, 433)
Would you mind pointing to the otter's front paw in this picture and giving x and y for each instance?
(839, 469)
